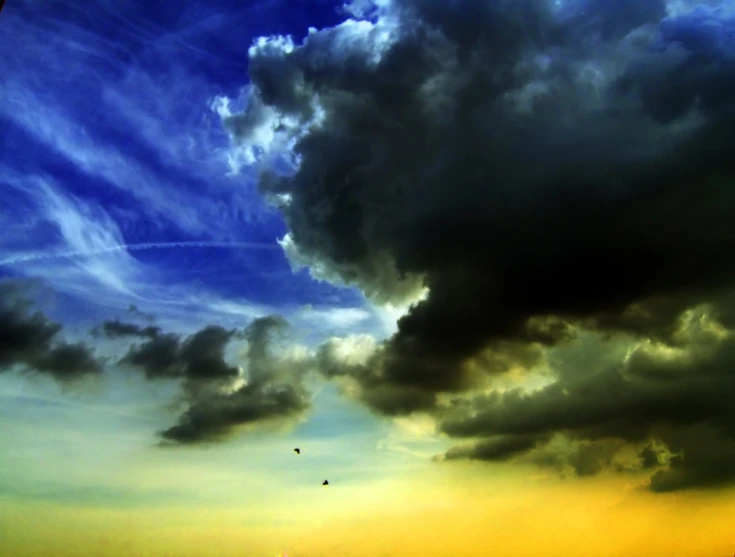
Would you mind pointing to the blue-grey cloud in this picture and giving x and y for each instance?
(220, 397)
(32, 342)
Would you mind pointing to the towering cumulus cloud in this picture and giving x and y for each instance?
(545, 169)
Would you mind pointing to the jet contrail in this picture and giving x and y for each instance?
(35, 256)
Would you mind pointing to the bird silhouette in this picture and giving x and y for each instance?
(325, 482)
(297, 451)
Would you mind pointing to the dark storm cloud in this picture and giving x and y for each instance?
(214, 417)
(30, 340)
(588, 458)
(498, 449)
(540, 169)
(678, 397)
(649, 457)
(67, 361)
(527, 164)
(273, 391)
(218, 397)
(707, 459)
(198, 357)
(118, 329)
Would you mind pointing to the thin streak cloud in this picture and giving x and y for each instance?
(21, 258)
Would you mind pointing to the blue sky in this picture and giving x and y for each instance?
(110, 138)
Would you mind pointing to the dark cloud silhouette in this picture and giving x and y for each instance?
(273, 391)
(197, 357)
(543, 171)
(32, 342)
(677, 396)
(649, 457)
(705, 458)
(118, 329)
(67, 361)
(214, 416)
(219, 398)
(497, 449)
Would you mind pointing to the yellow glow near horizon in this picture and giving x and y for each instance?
(92, 485)
(439, 512)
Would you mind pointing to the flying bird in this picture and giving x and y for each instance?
(325, 482)
(297, 451)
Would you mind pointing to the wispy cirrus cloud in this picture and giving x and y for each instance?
(86, 254)
(118, 180)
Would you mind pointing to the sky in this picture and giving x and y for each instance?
(472, 257)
